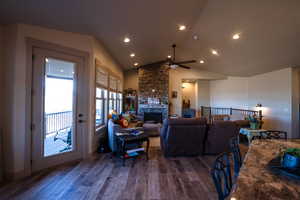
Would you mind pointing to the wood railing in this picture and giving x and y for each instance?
(209, 112)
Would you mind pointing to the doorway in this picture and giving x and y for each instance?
(188, 98)
(57, 111)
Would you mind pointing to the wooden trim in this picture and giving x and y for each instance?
(30, 45)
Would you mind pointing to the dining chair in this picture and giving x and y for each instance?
(221, 175)
(272, 134)
(236, 152)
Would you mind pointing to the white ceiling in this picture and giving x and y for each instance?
(269, 29)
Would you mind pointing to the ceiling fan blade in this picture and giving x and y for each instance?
(186, 62)
(154, 63)
(183, 66)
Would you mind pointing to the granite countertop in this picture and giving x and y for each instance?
(256, 181)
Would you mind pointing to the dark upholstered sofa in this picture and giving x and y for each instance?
(191, 137)
(218, 136)
(183, 136)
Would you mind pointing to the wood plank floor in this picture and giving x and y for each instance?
(106, 178)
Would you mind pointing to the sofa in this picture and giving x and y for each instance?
(218, 136)
(192, 137)
(183, 136)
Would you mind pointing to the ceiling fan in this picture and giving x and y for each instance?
(173, 64)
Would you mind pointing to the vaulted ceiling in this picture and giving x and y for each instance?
(269, 29)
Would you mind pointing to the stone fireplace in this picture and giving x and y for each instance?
(153, 90)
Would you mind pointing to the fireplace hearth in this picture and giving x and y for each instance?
(156, 117)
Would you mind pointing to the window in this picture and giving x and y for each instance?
(112, 102)
(108, 94)
(119, 102)
(101, 99)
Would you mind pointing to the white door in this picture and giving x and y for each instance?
(57, 113)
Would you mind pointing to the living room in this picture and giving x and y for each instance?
(102, 101)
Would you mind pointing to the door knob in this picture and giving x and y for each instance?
(80, 115)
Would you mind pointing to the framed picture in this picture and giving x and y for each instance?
(174, 94)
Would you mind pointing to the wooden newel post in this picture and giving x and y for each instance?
(202, 111)
(260, 115)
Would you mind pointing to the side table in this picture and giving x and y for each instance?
(250, 133)
(124, 141)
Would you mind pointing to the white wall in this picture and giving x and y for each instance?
(273, 90)
(232, 92)
(202, 93)
(16, 63)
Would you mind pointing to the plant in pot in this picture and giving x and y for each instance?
(255, 122)
(291, 158)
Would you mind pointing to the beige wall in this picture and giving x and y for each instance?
(131, 79)
(16, 62)
(10, 44)
(1, 99)
(273, 90)
(189, 93)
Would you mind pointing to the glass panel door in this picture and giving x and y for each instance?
(58, 106)
(57, 109)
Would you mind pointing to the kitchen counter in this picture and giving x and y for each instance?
(256, 181)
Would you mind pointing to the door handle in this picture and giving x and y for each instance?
(80, 115)
(81, 121)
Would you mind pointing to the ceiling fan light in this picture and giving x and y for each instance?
(173, 66)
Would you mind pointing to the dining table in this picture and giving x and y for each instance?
(256, 180)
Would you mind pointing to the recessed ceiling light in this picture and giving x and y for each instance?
(169, 56)
(126, 40)
(61, 70)
(132, 55)
(195, 37)
(47, 60)
(136, 64)
(236, 36)
(202, 61)
(182, 27)
(214, 52)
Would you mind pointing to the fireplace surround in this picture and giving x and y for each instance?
(153, 94)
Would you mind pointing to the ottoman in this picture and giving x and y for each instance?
(153, 129)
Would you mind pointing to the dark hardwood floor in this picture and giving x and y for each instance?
(106, 178)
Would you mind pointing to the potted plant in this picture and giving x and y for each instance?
(291, 158)
(254, 121)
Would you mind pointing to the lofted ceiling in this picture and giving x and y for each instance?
(269, 29)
